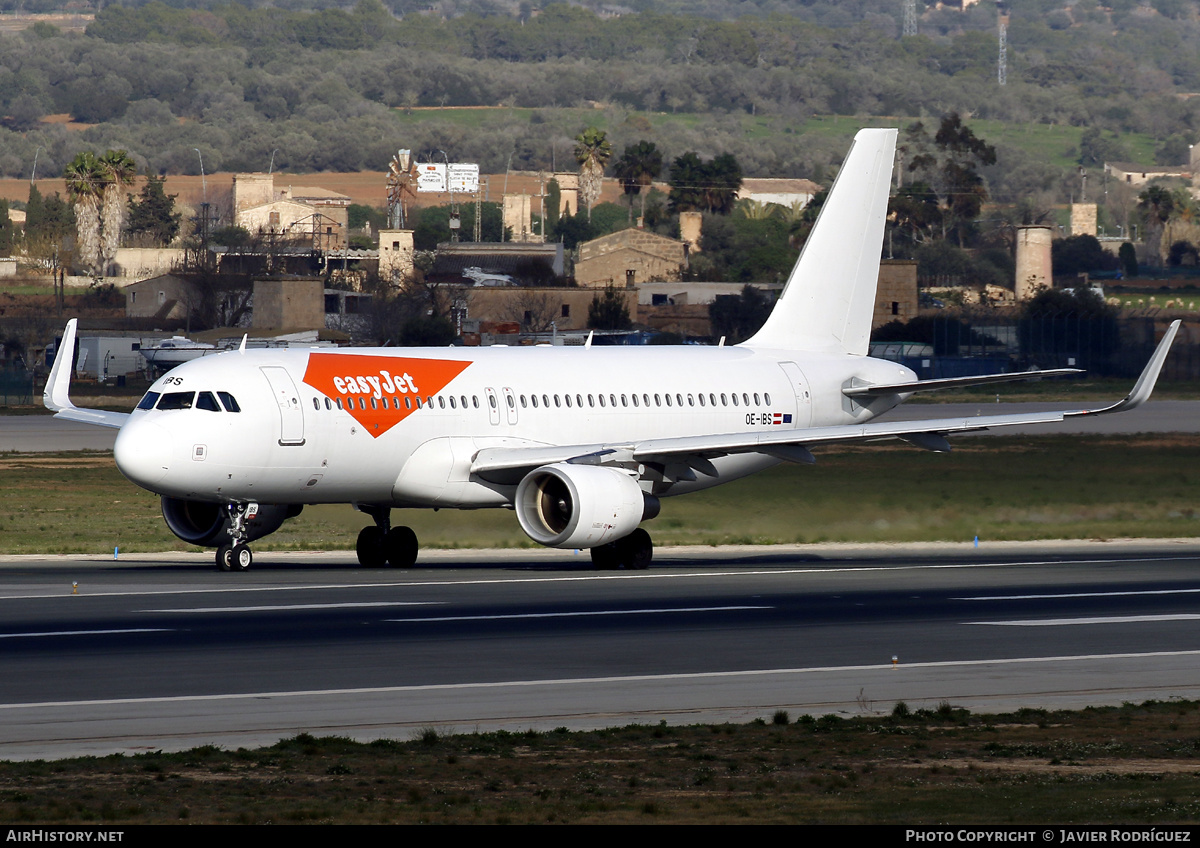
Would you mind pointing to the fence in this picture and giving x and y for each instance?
(983, 342)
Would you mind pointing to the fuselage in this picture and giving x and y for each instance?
(401, 426)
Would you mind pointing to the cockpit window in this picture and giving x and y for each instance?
(176, 400)
(231, 405)
(205, 400)
(149, 400)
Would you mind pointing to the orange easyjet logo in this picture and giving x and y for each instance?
(374, 389)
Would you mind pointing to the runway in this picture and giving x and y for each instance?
(164, 652)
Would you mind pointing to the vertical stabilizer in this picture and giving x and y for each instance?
(829, 298)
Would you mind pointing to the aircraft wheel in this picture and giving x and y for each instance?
(606, 557)
(639, 550)
(225, 558)
(401, 546)
(370, 548)
(242, 557)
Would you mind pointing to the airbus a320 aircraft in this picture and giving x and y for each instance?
(580, 442)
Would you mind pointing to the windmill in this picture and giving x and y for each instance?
(400, 181)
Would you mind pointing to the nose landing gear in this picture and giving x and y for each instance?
(236, 554)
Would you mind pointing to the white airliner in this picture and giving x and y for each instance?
(580, 442)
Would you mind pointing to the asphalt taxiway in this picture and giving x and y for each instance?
(164, 652)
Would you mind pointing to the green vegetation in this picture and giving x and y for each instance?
(993, 487)
(1134, 764)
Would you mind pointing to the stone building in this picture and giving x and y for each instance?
(629, 257)
(314, 215)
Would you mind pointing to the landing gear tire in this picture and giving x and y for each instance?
(605, 557)
(400, 547)
(639, 550)
(225, 558)
(633, 552)
(242, 557)
(370, 549)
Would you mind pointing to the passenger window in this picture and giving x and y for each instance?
(206, 401)
(668, 397)
(408, 402)
(177, 400)
(701, 397)
(442, 401)
(623, 401)
(339, 403)
(691, 400)
(533, 399)
(767, 398)
(734, 398)
(492, 401)
(452, 404)
(556, 403)
(756, 398)
(634, 398)
(601, 400)
(328, 405)
(511, 403)
(148, 401)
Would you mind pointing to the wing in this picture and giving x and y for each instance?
(871, 389)
(506, 464)
(56, 396)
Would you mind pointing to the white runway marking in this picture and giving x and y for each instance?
(1080, 595)
(84, 632)
(584, 578)
(575, 614)
(290, 607)
(885, 668)
(1110, 619)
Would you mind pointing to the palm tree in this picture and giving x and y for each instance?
(636, 169)
(119, 171)
(85, 187)
(592, 151)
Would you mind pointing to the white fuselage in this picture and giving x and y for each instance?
(401, 426)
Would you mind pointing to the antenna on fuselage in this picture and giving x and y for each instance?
(242, 346)
(588, 343)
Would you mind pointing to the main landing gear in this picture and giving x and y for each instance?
(236, 554)
(383, 544)
(635, 552)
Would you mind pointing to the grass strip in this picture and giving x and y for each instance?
(996, 488)
(1135, 764)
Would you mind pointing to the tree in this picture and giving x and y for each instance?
(738, 317)
(1156, 205)
(85, 188)
(118, 171)
(949, 165)
(592, 151)
(1127, 254)
(609, 312)
(1080, 255)
(708, 186)
(152, 215)
(8, 231)
(636, 169)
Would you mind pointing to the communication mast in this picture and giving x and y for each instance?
(1002, 61)
(910, 17)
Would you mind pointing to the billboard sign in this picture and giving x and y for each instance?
(431, 176)
(463, 177)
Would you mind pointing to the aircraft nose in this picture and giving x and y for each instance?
(143, 452)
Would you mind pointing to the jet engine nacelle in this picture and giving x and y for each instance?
(207, 524)
(581, 506)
